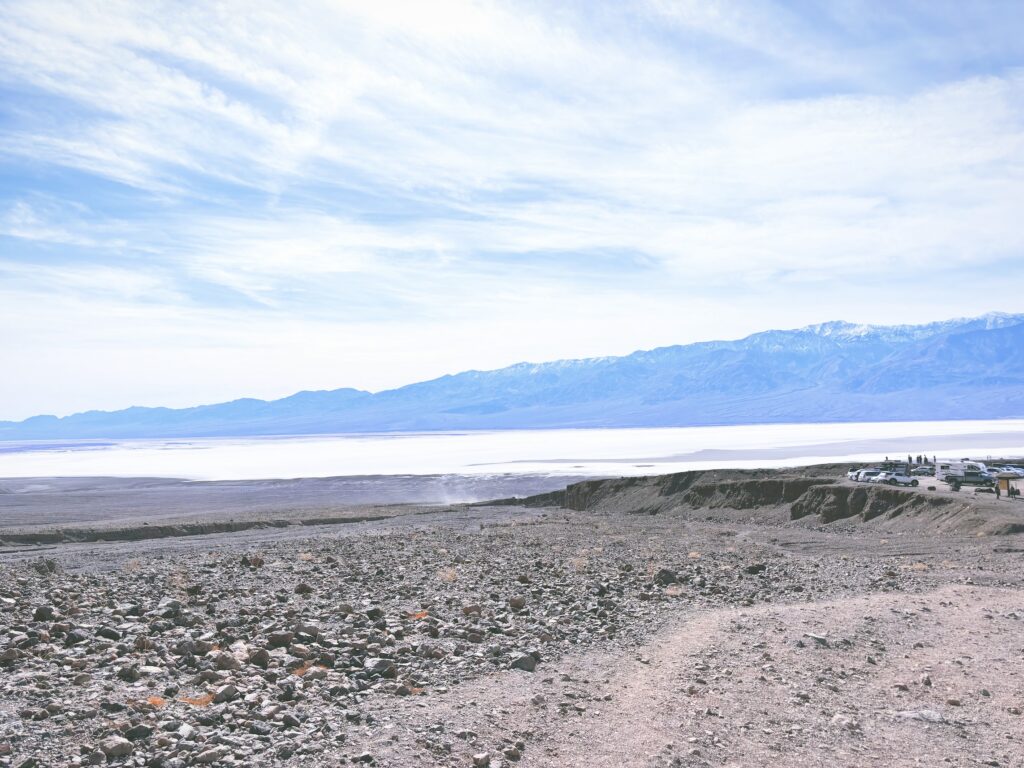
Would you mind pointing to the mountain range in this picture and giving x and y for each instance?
(837, 371)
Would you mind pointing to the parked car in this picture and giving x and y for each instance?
(865, 475)
(852, 474)
(894, 478)
(923, 471)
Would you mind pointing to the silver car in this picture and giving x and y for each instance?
(894, 478)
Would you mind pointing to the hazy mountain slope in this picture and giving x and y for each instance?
(830, 372)
(973, 358)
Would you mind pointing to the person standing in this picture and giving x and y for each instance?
(998, 491)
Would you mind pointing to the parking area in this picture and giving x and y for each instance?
(1002, 478)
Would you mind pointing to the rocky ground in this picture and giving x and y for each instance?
(502, 636)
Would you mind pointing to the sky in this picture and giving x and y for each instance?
(204, 201)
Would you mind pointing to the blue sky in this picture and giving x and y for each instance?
(205, 201)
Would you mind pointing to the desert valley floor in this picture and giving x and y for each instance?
(738, 618)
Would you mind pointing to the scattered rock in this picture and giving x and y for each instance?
(924, 715)
(380, 667)
(818, 639)
(138, 732)
(210, 755)
(43, 613)
(666, 576)
(845, 722)
(524, 661)
(280, 639)
(225, 693)
(116, 746)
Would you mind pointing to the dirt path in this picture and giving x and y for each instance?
(880, 680)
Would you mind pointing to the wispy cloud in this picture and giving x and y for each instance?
(517, 179)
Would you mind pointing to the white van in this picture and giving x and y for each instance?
(962, 472)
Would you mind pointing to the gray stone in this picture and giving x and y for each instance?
(109, 633)
(925, 715)
(666, 576)
(524, 661)
(225, 693)
(43, 613)
(225, 661)
(380, 667)
(280, 639)
(76, 636)
(210, 755)
(116, 746)
(138, 732)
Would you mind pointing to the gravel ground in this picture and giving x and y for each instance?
(463, 636)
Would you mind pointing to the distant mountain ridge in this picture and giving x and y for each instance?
(836, 371)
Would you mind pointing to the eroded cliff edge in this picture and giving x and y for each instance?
(815, 495)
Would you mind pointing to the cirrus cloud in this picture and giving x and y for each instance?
(337, 184)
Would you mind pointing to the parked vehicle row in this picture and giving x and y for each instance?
(954, 473)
